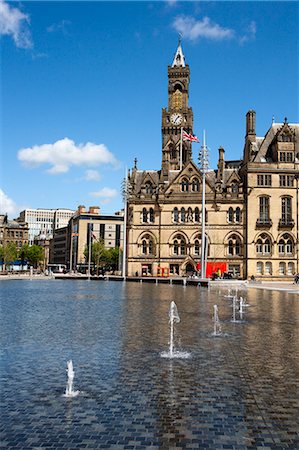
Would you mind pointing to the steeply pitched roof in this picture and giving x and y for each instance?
(179, 58)
(263, 143)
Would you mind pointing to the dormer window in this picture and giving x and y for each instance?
(286, 156)
(235, 189)
(149, 188)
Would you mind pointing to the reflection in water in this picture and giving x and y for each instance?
(237, 390)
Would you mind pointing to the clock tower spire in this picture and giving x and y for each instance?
(177, 115)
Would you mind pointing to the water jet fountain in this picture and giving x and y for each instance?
(241, 307)
(173, 318)
(234, 308)
(217, 326)
(69, 391)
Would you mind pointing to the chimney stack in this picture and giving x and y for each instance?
(220, 164)
(94, 210)
(250, 123)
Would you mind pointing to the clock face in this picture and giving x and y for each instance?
(176, 118)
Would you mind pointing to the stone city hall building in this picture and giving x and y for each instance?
(251, 206)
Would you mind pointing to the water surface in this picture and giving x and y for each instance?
(239, 390)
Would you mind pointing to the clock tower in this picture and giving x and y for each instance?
(176, 116)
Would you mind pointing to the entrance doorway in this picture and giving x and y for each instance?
(189, 269)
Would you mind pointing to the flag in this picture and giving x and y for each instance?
(93, 235)
(189, 137)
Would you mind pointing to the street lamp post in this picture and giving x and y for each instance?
(126, 192)
(297, 224)
(204, 164)
(89, 248)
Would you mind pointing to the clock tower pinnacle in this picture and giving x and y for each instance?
(177, 115)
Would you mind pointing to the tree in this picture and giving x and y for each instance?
(35, 255)
(23, 253)
(112, 257)
(97, 253)
(9, 253)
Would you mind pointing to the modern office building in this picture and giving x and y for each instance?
(69, 243)
(44, 221)
(251, 205)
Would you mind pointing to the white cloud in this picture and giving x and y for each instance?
(250, 33)
(92, 175)
(106, 194)
(61, 26)
(7, 205)
(193, 29)
(171, 3)
(63, 154)
(15, 23)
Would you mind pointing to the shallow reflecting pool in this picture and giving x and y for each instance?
(238, 390)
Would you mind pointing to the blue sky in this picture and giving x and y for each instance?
(83, 84)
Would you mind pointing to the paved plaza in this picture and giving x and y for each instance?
(238, 390)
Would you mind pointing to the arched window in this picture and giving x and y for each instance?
(185, 185)
(282, 268)
(183, 215)
(230, 215)
(151, 215)
(285, 245)
(195, 185)
(150, 247)
(144, 215)
(259, 246)
(179, 245)
(234, 246)
(286, 210)
(196, 248)
(175, 215)
(196, 215)
(259, 268)
(268, 268)
(147, 245)
(291, 268)
(267, 247)
(190, 215)
(263, 245)
(238, 215)
(144, 247)
(178, 86)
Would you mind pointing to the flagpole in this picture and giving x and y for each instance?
(89, 250)
(203, 211)
(181, 149)
(71, 249)
(125, 226)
